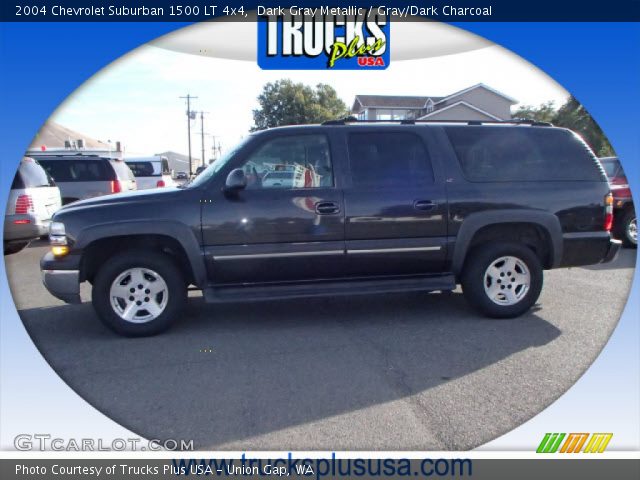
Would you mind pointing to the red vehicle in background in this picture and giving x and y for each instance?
(625, 225)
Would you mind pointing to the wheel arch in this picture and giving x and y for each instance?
(481, 221)
(176, 234)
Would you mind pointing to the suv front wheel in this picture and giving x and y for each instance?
(502, 280)
(139, 293)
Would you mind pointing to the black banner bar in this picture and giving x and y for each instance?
(237, 10)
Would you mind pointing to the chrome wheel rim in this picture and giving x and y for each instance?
(139, 295)
(507, 280)
(632, 230)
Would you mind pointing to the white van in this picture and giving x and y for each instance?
(151, 172)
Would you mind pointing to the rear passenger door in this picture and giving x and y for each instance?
(395, 204)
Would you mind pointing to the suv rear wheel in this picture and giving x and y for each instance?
(139, 293)
(502, 280)
(630, 229)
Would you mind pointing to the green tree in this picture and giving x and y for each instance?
(284, 102)
(571, 115)
(574, 116)
(546, 112)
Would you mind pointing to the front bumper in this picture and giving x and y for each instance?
(61, 278)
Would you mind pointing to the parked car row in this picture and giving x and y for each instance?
(48, 179)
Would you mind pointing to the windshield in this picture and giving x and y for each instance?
(216, 166)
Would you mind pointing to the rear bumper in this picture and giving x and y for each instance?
(17, 232)
(60, 278)
(588, 248)
(612, 253)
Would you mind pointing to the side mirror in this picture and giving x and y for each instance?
(236, 181)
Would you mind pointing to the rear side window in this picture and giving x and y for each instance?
(521, 154)
(143, 169)
(122, 170)
(388, 160)
(78, 170)
(31, 175)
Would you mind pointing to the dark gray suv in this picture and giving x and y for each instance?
(369, 208)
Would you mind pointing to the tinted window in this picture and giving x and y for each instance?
(388, 160)
(142, 169)
(17, 182)
(305, 157)
(78, 170)
(31, 175)
(497, 154)
(612, 167)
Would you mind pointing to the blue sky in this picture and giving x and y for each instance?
(136, 98)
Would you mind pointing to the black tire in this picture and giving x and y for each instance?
(160, 263)
(625, 229)
(473, 279)
(14, 247)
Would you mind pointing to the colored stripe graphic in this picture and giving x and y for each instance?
(550, 443)
(574, 442)
(598, 442)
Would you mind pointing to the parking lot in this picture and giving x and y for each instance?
(405, 371)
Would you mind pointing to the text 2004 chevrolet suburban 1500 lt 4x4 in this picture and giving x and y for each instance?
(366, 208)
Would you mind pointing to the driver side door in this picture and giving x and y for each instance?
(287, 224)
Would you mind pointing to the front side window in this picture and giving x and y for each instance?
(301, 161)
(388, 160)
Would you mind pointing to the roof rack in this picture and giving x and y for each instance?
(514, 121)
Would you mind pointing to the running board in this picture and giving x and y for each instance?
(248, 293)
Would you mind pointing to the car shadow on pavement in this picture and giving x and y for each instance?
(626, 259)
(232, 372)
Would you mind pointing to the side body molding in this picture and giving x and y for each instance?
(474, 222)
(176, 230)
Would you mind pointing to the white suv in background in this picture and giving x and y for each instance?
(33, 199)
(151, 172)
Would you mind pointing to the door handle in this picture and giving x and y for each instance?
(327, 208)
(424, 205)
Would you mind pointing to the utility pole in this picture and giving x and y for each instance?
(213, 148)
(190, 116)
(202, 135)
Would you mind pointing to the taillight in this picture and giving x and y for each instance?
(608, 212)
(24, 205)
(160, 183)
(116, 186)
(621, 191)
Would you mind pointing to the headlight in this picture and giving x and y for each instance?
(57, 234)
(57, 228)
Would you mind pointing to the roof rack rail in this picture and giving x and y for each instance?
(514, 121)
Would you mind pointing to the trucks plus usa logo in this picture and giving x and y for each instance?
(322, 38)
(574, 443)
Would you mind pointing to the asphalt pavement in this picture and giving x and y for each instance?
(411, 371)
